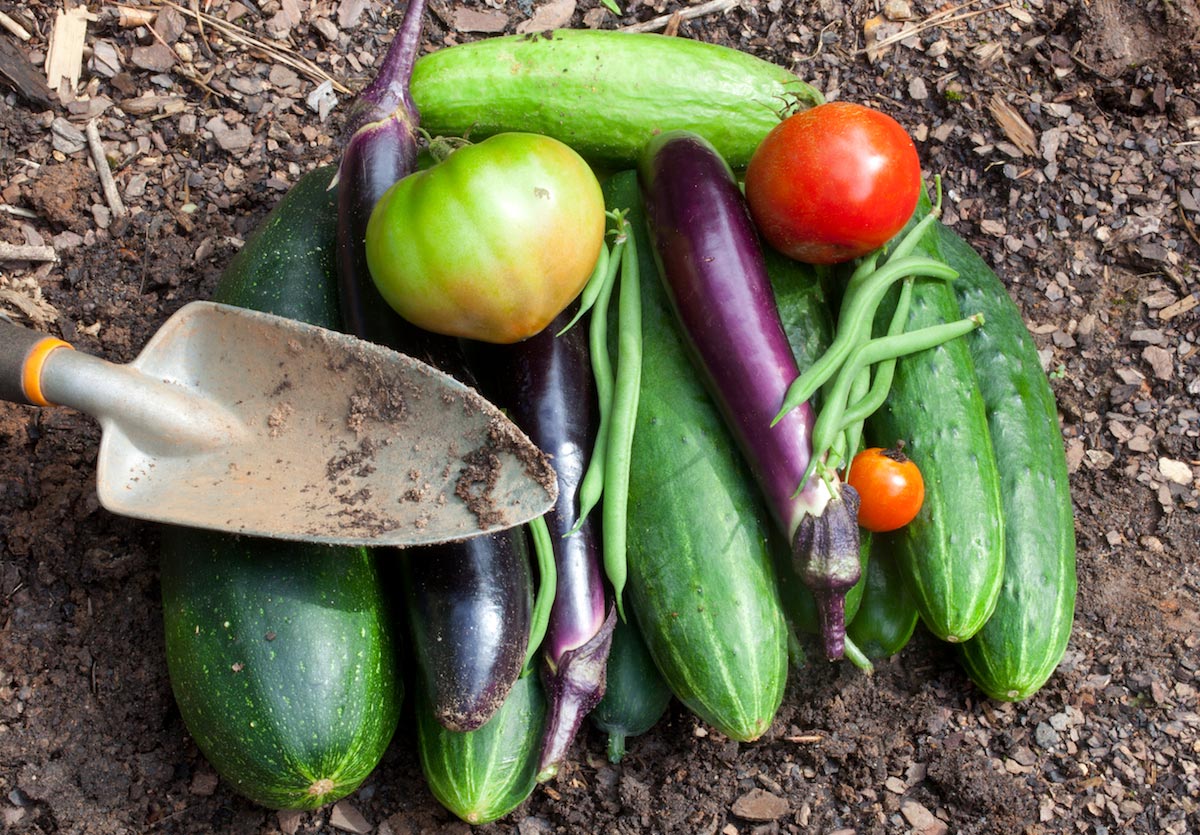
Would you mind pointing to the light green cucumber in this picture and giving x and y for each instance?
(701, 585)
(1022, 643)
(952, 554)
(605, 92)
(484, 774)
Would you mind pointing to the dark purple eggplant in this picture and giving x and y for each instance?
(713, 268)
(381, 148)
(468, 603)
(468, 608)
(545, 384)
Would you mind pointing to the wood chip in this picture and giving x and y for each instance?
(921, 819)
(64, 57)
(348, 819)
(552, 15)
(1014, 126)
(760, 805)
(20, 73)
(14, 27)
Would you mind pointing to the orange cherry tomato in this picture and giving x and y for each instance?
(889, 486)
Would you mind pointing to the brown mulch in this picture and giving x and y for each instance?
(1068, 139)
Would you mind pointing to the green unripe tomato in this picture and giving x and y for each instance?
(492, 242)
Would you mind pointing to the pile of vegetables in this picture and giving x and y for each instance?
(791, 414)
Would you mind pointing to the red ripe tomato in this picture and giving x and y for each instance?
(833, 182)
(890, 488)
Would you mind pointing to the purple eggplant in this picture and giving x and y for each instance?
(381, 148)
(468, 603)
(712, 265)
(545, 384)
(468, 608)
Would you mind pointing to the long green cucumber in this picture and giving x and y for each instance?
(887, 616)
(952, 553)
(484, 774)
(1024, 640)
(635, 694)
(280, 654)
(701, 585)
(605, 92)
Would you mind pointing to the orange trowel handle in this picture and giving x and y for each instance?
(23, 353)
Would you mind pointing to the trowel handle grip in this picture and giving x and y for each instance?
(23, 352)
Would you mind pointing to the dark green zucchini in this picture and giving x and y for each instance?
(1022, 643)
(701, 585)
(286, 266)
(280, 654)
(887, 616)
(952, 553)
(281, 661)
(635, 695)
(484, 774)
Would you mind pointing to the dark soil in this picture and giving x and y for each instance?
(1087, 203)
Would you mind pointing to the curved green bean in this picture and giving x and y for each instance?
(866, 404)
(591, 290)
(591, 486)
(830, 421)
(858, 311)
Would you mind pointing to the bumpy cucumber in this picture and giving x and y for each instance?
(887, 616)
(280, 654)
(484, 774)
(952, 553)
(1025, 638)
(635, 694)
(605, 92)
(281, 661)
(701, 584)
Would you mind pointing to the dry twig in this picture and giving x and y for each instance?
(942, 18)
(661, 22)
(22, 252)
(96, 147)
(234, 33)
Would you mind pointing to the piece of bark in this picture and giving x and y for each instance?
(16, 69)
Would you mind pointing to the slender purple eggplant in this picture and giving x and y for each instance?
(468, 604)
(381, 148)
(713, 268)
(545, 384)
